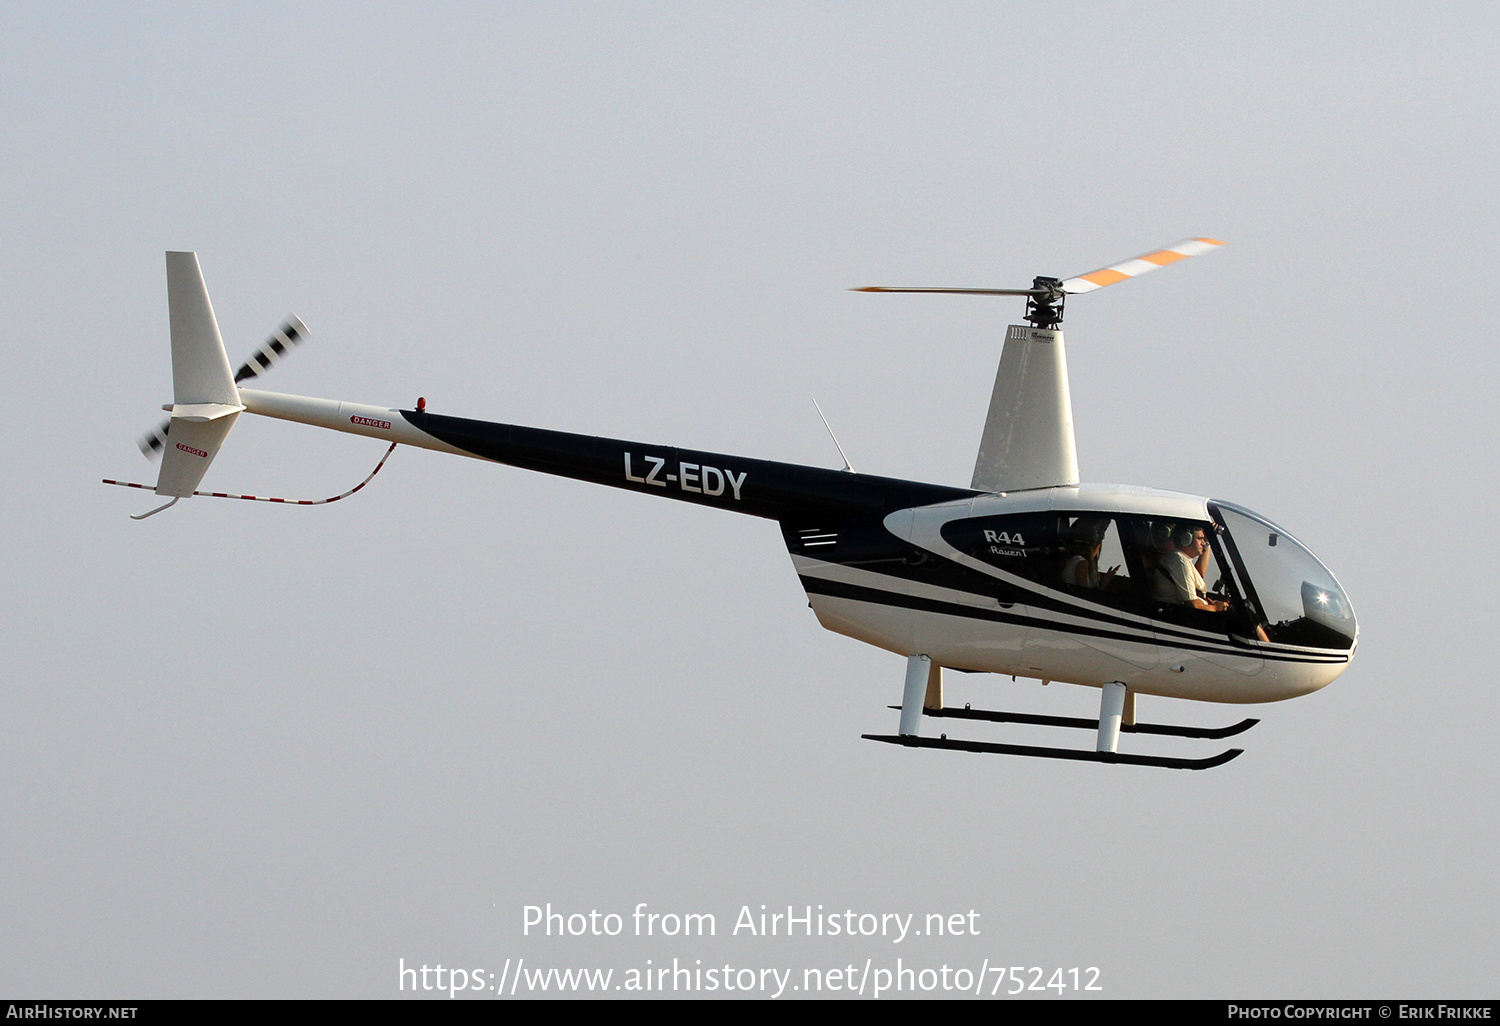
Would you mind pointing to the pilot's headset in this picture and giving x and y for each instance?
(1183, 535)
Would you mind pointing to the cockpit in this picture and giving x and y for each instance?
(1237, 573)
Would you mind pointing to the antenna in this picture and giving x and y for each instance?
(848, 467)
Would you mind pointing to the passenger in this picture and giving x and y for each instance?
(1082, 569)
(1179, 570)
(1161, 539)
(1160, 535)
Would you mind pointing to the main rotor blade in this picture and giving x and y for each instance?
(958, 292)
(1140, 265)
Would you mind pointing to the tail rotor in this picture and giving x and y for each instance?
(273, 350)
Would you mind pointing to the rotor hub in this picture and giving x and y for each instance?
(1044, 306)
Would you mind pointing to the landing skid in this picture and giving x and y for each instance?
(923, 696)
(915, 741)
(1162, 729)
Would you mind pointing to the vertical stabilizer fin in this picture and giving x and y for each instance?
(206, 402)
(200, 368)
(1028, 435)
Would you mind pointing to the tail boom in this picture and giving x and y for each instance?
(758, 487)
(381, 422)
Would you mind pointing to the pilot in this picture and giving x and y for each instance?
(1179, 570)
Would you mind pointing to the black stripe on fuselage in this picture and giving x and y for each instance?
(861, 593)
(760, 488)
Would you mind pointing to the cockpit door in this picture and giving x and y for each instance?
(1065, 574)
(1093, 600)
(1226, 639)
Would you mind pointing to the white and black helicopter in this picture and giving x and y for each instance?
(1026, 572)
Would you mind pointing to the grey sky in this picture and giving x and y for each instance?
(265, 751)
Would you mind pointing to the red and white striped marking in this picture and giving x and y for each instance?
(259, 498)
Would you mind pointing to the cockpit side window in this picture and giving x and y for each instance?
(1024, 544)
(1167, 568)
(1091, 556)
(1081, 554)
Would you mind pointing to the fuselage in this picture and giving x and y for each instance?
(1085, 584)
(1005, 583)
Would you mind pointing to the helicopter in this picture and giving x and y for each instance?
(1028, 571)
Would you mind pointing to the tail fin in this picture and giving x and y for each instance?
(206, 402)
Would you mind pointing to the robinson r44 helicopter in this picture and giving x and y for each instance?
(1026, 572)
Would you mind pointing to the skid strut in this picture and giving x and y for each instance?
(1111, 709)
(922, 696)
(918, 669)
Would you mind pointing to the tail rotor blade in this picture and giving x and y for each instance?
(153, 443)
(282, 341)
